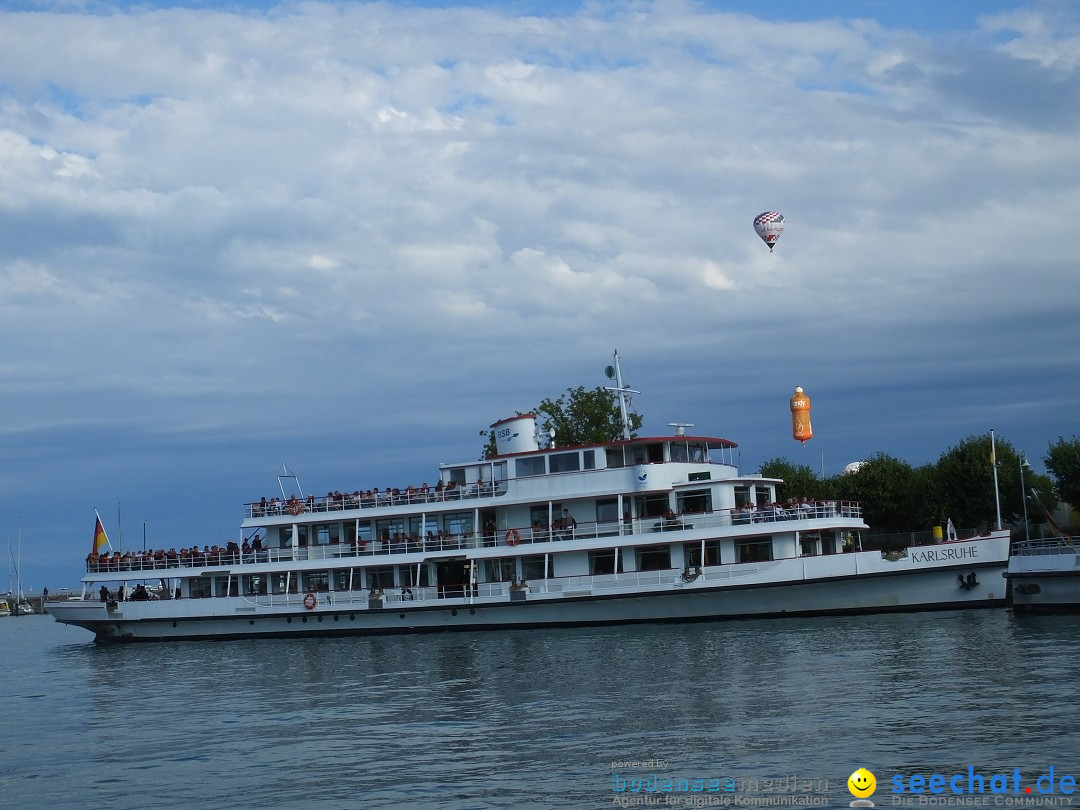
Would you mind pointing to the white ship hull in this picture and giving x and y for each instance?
(947, 576)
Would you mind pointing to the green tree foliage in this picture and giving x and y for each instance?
(1063, 462)
(799, 480)
(966, 482)
(583, 416)
(579, 416)
(890, 492)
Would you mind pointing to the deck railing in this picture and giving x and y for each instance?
(1047, 545)
(340, 503)
(159, 561)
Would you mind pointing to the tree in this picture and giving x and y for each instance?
(889, 491)
(585, 417)
(579, 417)
(799, 480)
(1063, 463)
(966, 482)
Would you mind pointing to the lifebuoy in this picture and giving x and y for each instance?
(295, 508)
(513, 537)
(310, 601)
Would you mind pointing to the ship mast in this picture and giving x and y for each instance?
(623, 393)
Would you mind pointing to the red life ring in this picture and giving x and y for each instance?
(513, 537)
(310, 601)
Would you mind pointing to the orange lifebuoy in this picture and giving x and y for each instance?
(513, 537)
(295, 508)
(310, 601)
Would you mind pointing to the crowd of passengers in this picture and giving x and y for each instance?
(390, 496)
(792, 509)
(194, 557)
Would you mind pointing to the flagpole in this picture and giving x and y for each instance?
(993, 461)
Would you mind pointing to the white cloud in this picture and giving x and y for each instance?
(223, 223)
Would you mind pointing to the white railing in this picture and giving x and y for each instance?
(1047, 545)
(394, 497)
(161, 561)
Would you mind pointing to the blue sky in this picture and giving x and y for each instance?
(349, 237)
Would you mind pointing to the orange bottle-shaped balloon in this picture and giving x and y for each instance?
(800, 416)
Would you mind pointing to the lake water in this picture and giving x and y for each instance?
(765, 713)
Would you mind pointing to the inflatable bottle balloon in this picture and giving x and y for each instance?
(800, 416)
(769, 226)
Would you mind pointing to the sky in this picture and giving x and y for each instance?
(348, 237)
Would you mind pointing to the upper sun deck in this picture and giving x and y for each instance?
(526, 472)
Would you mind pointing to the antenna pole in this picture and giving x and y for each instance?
(622, 391)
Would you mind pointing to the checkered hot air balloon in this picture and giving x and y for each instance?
(769, 226)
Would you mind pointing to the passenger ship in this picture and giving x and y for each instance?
(650, 529)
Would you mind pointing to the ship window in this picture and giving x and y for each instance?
(589, 460)
(652, 505)
(279, 580)
(316, 581)
(607, 510)
(615, 457)
(698, 452)
(253, 584)
(340, 577)
(326, 533)
(385, 529)
(679, 452)
(457, 475)
(654, 558)
(692, 553)
(199, 588)
(530, 466)
(602, 561)
(225, 586)
(380, 577)
(753, 550)
(699, 500)
(742, 494)
(533, 567)
(363, 530)
(500, 570)
(285, 536)
(409, 578)
(565, 462)
(460, 523)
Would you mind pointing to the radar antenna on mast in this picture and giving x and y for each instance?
(615, 372)
(680, 427)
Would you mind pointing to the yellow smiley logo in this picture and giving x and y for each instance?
(861, 783)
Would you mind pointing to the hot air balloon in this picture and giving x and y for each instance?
(800, 416)
(769, 226)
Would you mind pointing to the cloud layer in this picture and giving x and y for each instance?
(354, 235)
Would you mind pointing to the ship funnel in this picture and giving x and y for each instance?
(516, 434)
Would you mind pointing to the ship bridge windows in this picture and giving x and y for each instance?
(754, 550)
(698, 500)
(651, 453)
(653, 558)
(528, 467)
(564, 462)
